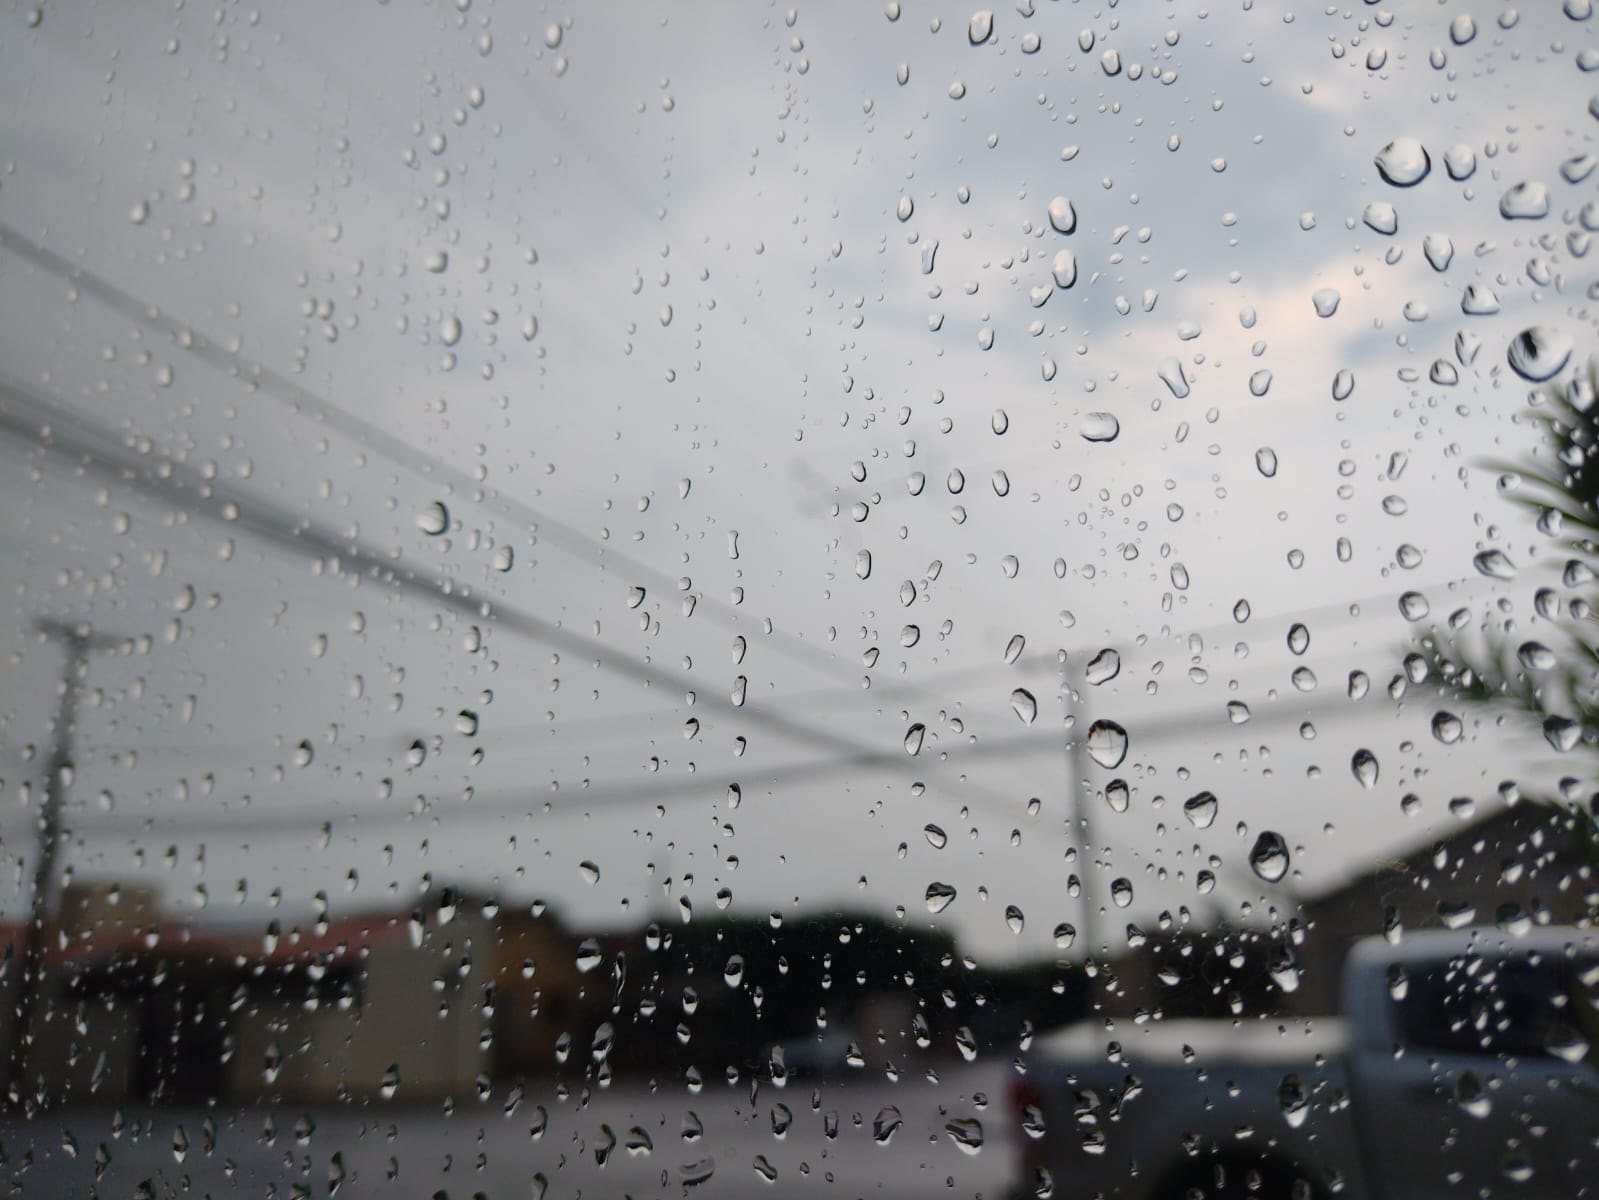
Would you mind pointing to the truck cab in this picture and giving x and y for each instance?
(1465, 1063)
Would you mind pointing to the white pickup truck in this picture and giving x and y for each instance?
(1466, 1064)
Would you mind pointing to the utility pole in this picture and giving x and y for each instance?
(77, 639)
(1077, 806)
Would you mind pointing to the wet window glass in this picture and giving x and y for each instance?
(883, 599)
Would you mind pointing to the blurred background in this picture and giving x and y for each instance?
(627, 551)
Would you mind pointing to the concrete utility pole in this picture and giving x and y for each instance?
(78, 640)
(1078, 802)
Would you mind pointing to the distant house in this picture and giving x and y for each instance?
(1519, 866)
(142, 1008)
(1524, 864)
(462, 996)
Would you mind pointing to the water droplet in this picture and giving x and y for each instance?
(589, 871)
(1103, 667)
(939, 897)
(888, 1120)
(1380, 217)
(1471, 1096)
(1266, 461)
(1201, 809)
(966, 1133)
(1539, 353)
(936, 837)
(981, 27)
(1062, 217)
(1269, 857)
(1100, 427)
(1462, 29)
(1460, 161)
(1364, 765)
(1063, 268)
(905, 208)
(1107, 744)
(433, 519)
(1014, 918)
(1495, 564)
(1562, 733)
(1171, 373)
(863, 564)
(1447, 727)
(1111, 62)
(1024, 705)
(589, 955)
(1325, 301)
(913, 738)
(1294, 1100)
(1478, 300)
(1526, 201)
(1343, 384)
(1535, 656)
(1121, 892)
(1014, 647)
(1403, 162)
(1065, 935)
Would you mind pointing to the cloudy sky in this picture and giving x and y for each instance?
(503, 438)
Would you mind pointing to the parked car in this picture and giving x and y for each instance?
(1464, 1064)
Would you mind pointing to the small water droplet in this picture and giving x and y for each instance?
(1063, 219)
(1364, 766)
(1539, 353)
(433, 519)
(888, 1120)
(1294, 1100)
(1380, 217)
(939, 897)
(1525, 201)
(966, 1133)
(1201, 809)
(1269, 857)
(1024, 705)
(1103, 667)
(1107, 744)
(1100, 427)
(1403, 162)
(1535, 656)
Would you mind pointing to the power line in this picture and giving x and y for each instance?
(298, 398)
(58, 428)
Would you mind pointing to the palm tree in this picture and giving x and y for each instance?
(1549, 684)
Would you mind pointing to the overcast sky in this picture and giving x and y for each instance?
(660, 315)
